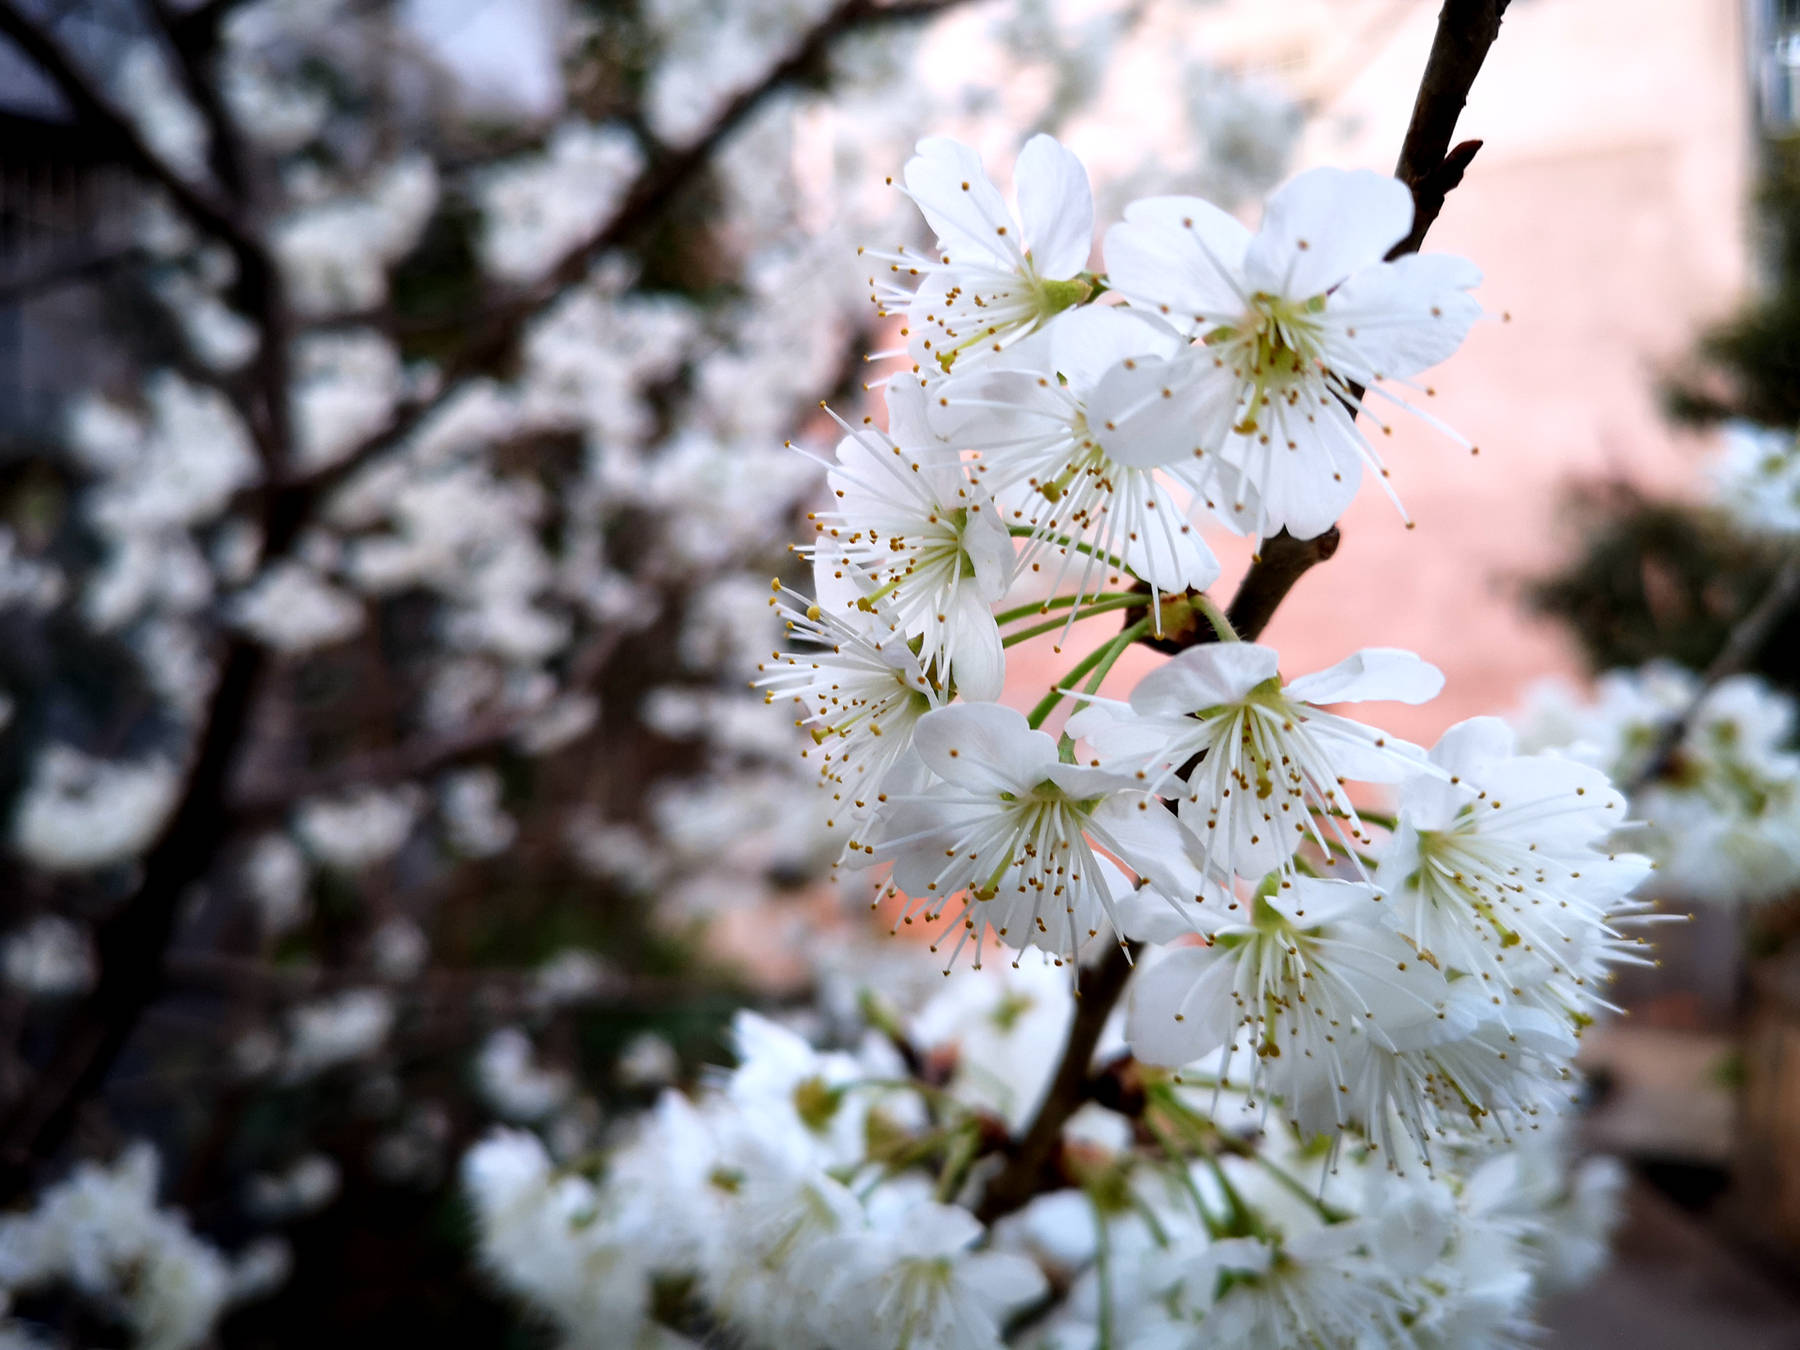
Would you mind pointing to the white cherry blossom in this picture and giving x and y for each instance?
(908, 527)
(997, 277)
(1471, 1062)
(1068, 477)
(1271, 760)
(1498, 856)
(1758, 479)
(1288, 322)
(1303, 971)
(911, 1280)
(1328, 1288)
(858, 685)
(1011, 838)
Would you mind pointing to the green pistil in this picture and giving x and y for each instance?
(1272, 360)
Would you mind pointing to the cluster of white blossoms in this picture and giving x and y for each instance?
(1718, 805)
(1325, 1112)
(100, 1234)
(1758, 480)
(814, 1198)
(482, 542)
(1712, 767)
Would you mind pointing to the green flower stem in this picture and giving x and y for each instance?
(1116, 601)
(1103, 1272)
(1048, 703)
(965, 1145)
(1026, 532)
(1221, 625)
(1179, 1159)
(1099, 661)
(1055, 602)
(1290, 1182)
(1114, 650)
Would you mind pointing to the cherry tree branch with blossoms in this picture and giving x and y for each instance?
(1426, 164)
(431, 569)
(1309, 984)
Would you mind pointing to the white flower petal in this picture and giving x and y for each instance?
(1158, 411)
(979, 663)
(1088, 342)
(1374, 673)
(1323, 225)
(1203, 677)
(1399, 318)
(1056, 208)
(1180, 1007)
(946, 180)
(1473, 744)
(1179, 257)
(983, 747)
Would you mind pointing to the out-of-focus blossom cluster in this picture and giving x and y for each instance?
(814, 1197)
(139, 1267)
(1758, 481)
(1712, 766)
(1715, 774)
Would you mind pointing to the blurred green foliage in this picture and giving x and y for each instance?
(1656, 578)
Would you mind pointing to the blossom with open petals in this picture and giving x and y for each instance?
(858, 686)
(1288, 322)
(909, 528)
(1499, 857)
(1075, 483)
(1271, 760)
(1011, 838)
(1303, 970)
(997, 277)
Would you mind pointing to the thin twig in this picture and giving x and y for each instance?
(1427, 164)
(1282, 562)
(1748, 636)
(193, 48)
(101, 116)
(1029, 1161)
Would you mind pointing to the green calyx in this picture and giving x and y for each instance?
(816, 1102)
(1056, 296)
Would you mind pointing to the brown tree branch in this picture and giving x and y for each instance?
(100, 115)
(1427, 164)
(1466, 29)
(227, 218)
(1030, 1162)
(193, 48)
(130, 944)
